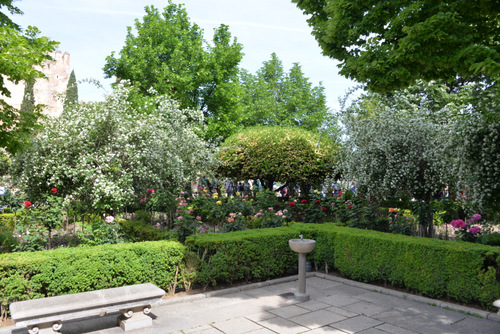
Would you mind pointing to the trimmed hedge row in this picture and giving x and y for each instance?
(71, 270)
(466, 272)
(243, 255)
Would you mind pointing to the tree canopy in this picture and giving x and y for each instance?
(19, 53)
(391, 44)
(71, 91)
(169, 54)
(273, 153)
(276, 98)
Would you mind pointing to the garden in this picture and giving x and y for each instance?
(400, 186)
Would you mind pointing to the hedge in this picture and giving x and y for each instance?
(243, 255)
(71, 270)
(465, 272)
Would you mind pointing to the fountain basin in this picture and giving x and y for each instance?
(302, 245)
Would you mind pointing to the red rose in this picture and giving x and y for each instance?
(292, 203)
(54, 190)
(303, 201)
(349, 207)
(324, 209)
(277, 204)
(317, 201)
(27, 204)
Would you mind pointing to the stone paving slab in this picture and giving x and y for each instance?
(337, 306)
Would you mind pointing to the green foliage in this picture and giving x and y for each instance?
(168, 54)
(99, 232)
(19, 54)
(71, 91)
(140, 231)
(277, 154)
(390, 45)
(275, 98)
(102, 155)
(28, 103)
(71, 270)
(4, 19)
(5, 162)
(243, 255)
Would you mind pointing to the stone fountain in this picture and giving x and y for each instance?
(302, 246)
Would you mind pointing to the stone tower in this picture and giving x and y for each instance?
(49, 91)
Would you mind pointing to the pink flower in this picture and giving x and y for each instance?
(475, 230)
(198, 218)
(475, 217)
(179, 218)
(459, 223)
(191, 210)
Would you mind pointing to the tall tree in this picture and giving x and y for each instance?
(19, 53)
(71, 91)
(169, 55)
(391, 44)
(274, 97)
(4, 19)
(28, 103)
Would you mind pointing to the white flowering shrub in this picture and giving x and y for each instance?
(478, 163)
(104, 155)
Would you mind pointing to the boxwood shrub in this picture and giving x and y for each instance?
(71, 270)
(465, 272)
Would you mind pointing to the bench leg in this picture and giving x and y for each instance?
(48, 328)
(135, 318)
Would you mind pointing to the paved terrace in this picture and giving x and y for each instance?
(337, 306)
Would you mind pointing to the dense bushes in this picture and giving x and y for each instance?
(72, 270)
(243, 255)
(463, 271)
(140, 231)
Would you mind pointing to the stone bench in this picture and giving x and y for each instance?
(46, 315)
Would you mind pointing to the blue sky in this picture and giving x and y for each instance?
(91, 29)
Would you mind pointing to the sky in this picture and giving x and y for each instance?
(89, 30)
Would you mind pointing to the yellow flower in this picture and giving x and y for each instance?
(316, 191)
(251, 199)
(218, 203)
(238, 193)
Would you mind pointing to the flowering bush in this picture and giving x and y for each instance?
(401, 223)
(468, 230)
(101, 153)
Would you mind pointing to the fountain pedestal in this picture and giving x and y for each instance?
(302, 246)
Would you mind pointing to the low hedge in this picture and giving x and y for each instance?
(465, 272)
(244, 255)
(71, 270)
(141, 231)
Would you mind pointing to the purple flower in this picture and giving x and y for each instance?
(475, 217)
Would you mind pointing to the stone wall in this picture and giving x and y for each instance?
(50, 91)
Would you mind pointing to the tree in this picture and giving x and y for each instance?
(71, 91)
(28, 103)
(102, 156)
(273, 153)
(406, 141)
(391, 44)
(19, 54)
(169, 55)
(273, 97)
(4, 19)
